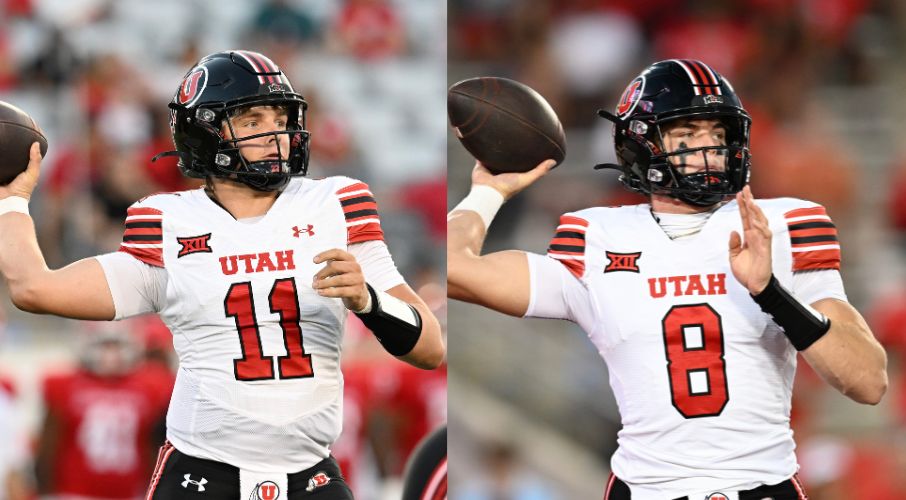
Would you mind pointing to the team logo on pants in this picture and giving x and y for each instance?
(716, 496)
(318, 480)
(266, 490)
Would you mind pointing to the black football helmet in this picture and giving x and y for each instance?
(673, 90)
(219, 86)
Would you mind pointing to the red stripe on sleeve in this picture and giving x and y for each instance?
(150, 256)
(358, 186)
(355, 215)
(572, 220)
(803, 212)
(364, 232)
(153, 255)
(144, 230)
(568, 241)
(816, 259)
(573, 259)
(143, 211)
(823, 258)
(577, 267)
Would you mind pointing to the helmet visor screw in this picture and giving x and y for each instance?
(655, 175)
(205, 115)
(638, 127)
(222, 160)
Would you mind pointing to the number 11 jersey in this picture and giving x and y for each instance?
(259, 384)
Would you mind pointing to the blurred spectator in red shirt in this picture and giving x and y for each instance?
(17, 8)
(369, 30)
(429, 199)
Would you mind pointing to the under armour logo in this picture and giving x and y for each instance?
(199, 484)
(316, 481)
(309, 230)
(622, 262)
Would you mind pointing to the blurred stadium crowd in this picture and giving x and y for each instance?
(80, 404)
(823, 80)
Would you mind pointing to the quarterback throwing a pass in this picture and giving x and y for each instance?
(698, 301)
(253, 274)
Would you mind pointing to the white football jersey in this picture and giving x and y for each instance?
(259, 383)
(703, 378)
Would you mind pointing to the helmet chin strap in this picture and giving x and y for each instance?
(701, 198)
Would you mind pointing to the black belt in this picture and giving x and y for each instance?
(791, 489)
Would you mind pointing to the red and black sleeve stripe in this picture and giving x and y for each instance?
(361, 213)
(568, 244)
(143, 237)
(813, 239)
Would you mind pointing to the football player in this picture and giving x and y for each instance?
(698, 301)
(253, 273)
(102, 422)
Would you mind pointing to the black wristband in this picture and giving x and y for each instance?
(799, 322)
(397, 326)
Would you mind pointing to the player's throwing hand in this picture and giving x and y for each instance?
(342, 277)
(510, 183)
(25, 183)
(750, 256)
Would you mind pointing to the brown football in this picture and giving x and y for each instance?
(505, 124)
(17, 133)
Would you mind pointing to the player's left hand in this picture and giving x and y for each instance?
(342, 277)
(750, 256)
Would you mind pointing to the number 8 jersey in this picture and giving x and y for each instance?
(702, 377)
(259, 384)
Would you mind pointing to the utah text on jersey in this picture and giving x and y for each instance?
(702, 376)
(259, 380)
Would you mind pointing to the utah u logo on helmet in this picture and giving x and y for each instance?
(192, 86)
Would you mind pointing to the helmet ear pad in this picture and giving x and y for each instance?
(202, 143)
(636, 152)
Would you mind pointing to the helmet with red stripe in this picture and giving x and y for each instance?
(665, 93)
(221, 85)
